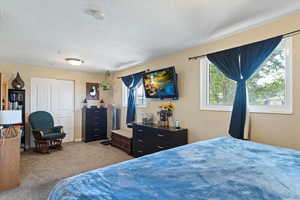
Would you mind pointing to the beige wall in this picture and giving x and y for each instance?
(275, 129)
(9, 72)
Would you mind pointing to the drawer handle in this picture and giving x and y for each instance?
(140, 151)
(141, 141)
(140, 130)
(160, 135)
(160, 147)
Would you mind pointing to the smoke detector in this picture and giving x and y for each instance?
(97, 14)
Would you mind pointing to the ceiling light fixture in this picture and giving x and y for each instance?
(74, 61)
(97, 14)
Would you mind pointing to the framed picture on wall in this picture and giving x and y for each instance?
(92, 91)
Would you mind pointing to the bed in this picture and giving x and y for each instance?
(218, 169)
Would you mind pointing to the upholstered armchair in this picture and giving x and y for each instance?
(46, 135)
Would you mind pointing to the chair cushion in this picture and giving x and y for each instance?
(53, 136)
(41, 120)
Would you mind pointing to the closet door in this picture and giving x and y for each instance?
(57, 98)
(41, 90)
(63, 106)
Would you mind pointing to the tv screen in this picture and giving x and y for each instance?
(161, 84)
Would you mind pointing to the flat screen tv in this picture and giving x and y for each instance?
(161, 84)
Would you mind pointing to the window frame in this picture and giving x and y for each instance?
(125, 92)
(286, 109)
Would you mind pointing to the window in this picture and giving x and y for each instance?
(269, 89)
(140, 96)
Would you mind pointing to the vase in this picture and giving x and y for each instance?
(164, 118)
(18, 83)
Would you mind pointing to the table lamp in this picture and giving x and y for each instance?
(8, 118)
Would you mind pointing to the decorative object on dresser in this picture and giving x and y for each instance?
(177, 124)
(94, 124)
(166, 111)
(85, 103)
(18, 83)
(92, 91)
(16, 101)
(9, 149)
(102, 104)
(147, 118)
(122, 139)
(149, 139)
(47, 136)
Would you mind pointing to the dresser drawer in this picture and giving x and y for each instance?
(96, 111)
(96, 129)
(96, 120)
(95, 132)
(140, 140)
(142, 132)
(138, 153)
(92, 126)
(96, 115)
(140, 149)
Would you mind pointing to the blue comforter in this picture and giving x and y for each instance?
(218, 169)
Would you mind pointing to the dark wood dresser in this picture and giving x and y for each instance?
(94, 124)
(149, 139)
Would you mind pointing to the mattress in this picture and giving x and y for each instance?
(218, 169)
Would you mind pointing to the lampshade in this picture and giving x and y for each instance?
(9, 117)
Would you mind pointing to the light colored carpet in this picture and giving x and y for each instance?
(39, 173)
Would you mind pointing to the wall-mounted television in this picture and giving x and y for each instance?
(161, 84)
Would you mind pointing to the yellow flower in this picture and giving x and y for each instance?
(169, 106)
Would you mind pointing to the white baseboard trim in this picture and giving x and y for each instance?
(78, 140)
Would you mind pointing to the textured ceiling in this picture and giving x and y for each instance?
(44, 32)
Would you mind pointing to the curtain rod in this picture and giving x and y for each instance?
(284, 36)
(147, 70)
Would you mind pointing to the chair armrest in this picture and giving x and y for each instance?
(57, 129)
(38, 133)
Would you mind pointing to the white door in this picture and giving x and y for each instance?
(41, 95)
(56, 97)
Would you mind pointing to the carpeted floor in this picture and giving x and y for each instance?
(39, 173)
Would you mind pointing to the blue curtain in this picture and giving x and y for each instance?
(239, 64)
(131, 82)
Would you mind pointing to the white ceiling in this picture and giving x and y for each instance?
(44, 32)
